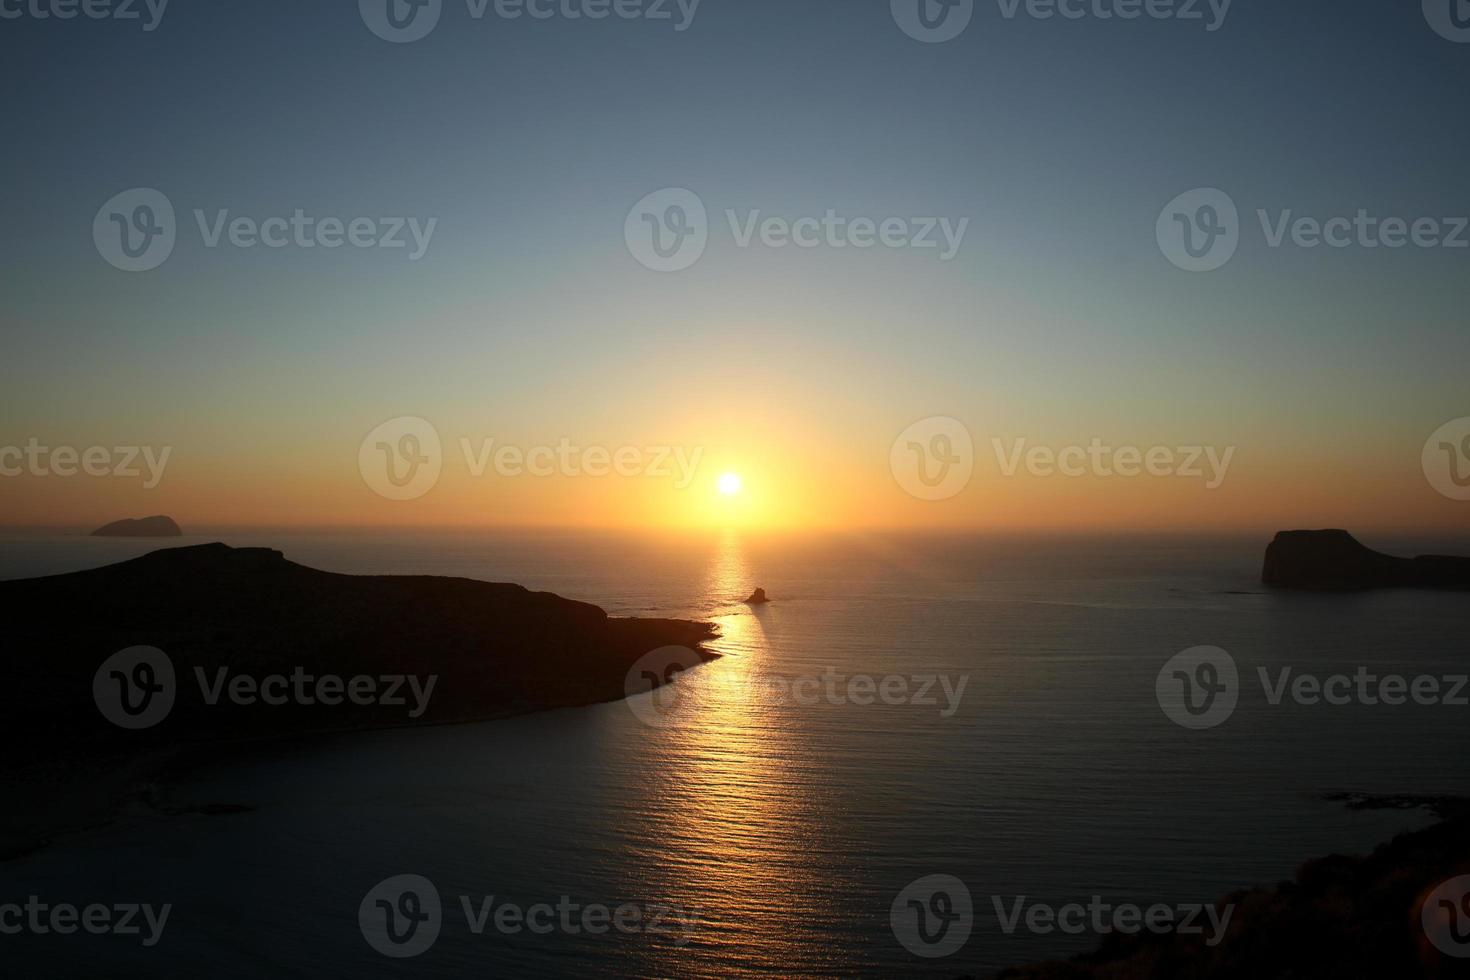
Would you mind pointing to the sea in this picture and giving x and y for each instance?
(980, 710)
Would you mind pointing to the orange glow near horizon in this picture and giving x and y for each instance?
(753, 475)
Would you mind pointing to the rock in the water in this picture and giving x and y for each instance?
(1335, 560)
(143, 527)
(758, 597)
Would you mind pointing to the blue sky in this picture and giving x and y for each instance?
(529, 141)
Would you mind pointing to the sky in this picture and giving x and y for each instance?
(531, 152)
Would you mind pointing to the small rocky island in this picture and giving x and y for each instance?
(142, 527)
(1334, 560)
(757, 598)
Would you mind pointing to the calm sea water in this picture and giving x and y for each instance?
(784, 827)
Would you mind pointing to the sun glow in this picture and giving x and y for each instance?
(730, 484)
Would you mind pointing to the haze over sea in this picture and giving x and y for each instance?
(785, 826)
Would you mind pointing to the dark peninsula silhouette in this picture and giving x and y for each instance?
(1336, 561)
(220, 612)
(142, 527)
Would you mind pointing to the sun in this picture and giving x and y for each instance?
(730, 484)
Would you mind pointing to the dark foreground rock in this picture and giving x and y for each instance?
(227, 619)
(1342, 918)
(142, 527)
(1335, 560)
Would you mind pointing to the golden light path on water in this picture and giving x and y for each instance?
(787, 825)
(739, 810)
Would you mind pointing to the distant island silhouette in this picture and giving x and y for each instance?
(494, 649)
(757, 598)
(141, 527)
(1334, 560)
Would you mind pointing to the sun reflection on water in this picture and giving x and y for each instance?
(738, 826)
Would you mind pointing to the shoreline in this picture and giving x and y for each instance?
(1327, 921)
(488, 651)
